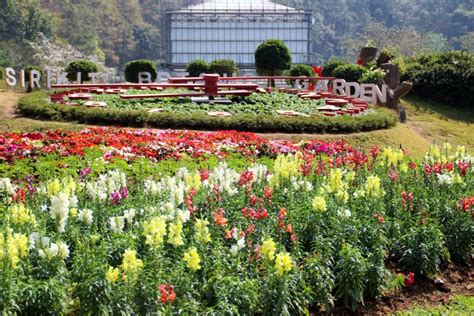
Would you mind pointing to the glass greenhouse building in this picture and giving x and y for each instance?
(233, 29)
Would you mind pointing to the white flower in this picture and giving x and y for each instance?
(63, 250)
(85, 216)
(60, 210)
(444, 178)
(6, 185)
(45, 242)
(184, 215)
(116, 224)
(234, 250)
(129, 215)
(33, 239)
(52, 251)
(344, 213)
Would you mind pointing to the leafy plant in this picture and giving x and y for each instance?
(349, 72)
(197, 67)
(224, 67)
(351, 269)
(84, 67)
(133, 68)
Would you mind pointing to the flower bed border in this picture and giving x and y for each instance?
(37, 105)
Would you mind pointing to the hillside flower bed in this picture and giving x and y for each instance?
(259, 117)
(286, 229)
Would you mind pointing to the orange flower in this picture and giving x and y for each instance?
(219, 218)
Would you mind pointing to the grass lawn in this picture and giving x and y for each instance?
(427, 122)
(459, 305)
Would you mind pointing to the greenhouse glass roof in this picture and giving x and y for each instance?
(237, 5)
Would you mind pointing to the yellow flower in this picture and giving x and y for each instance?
(130, 263)
(193, 181)
(202, 234)
(319, 203)
(73, 212)
(372, 187)
(154, 231)
(112, 274)
(335, 180)
(14, 248)
(392, 157)
(53, 187)
(285, 167)
(283, 263)
(192, 259)
(21, 215)
(268, 249)
(175, 231)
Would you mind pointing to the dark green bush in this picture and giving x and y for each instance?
(272, 57)
(83, 66)
(302, 70)
(223, 67)
(133, 68)
(446, 77)
(349, 72)
(197, 67)
(329, 67)
(36, 105)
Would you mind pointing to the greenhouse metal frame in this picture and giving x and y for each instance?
(233, 30)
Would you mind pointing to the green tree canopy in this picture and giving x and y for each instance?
(272, 57)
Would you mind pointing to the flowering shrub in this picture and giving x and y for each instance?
(308, 224)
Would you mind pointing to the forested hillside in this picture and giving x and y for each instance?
(117, 31)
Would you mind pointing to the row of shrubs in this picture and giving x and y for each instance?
(37, 105)
(446, 77)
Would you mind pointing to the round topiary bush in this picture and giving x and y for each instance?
(133, 68)
(349, 72)
(223, 67)
(83, 66)
(329, 67)
(197, 67)
(302, 70)
(272, 57)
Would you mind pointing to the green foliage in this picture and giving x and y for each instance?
(443, 77)
(349, 72)
(351, 269)
(133, 68)
(22, 20)
(36, 106)
(197, 67)
(83, 66)
(330, 66)
(224, 67)
(372, 76)
(301, 70)
(421, 249)
(272, 57)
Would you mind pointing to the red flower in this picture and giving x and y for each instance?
(219, 218)
(410, 279)
(167, 293)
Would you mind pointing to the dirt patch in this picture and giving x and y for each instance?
(8, 101)
(458, 280)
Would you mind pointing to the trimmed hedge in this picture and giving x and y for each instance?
(85, 67)
(197, 67)
(37, 105)
(445, 77)
(133, 68)
(349, 72)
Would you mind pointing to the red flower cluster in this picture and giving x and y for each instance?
(467, 204)
(158, 145)
(167, 293)
(410, 279)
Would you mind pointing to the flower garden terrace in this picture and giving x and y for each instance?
(159, 145)
(284, 229)
(253, 109)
